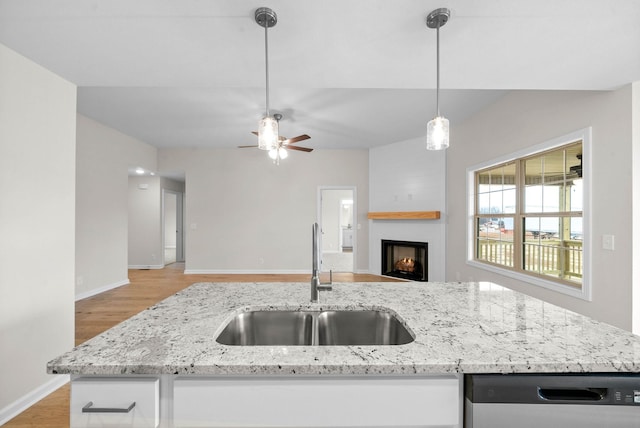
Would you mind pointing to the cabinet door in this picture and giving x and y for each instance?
(115, 402)
(318, 402)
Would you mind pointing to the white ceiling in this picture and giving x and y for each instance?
(350, 73)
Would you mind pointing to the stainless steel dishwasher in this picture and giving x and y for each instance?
(552, 401)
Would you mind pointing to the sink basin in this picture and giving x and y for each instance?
(283, 328)
(369, 327)
(309, 327)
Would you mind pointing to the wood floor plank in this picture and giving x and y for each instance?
(99, 313)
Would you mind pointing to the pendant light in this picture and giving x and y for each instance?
(268, 125)
(438, 127)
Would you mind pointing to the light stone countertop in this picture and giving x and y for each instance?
(459, 327)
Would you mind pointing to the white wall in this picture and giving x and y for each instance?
(37, 189)
(405, 176)
(526, 118)
(245, 214)
(103, 158)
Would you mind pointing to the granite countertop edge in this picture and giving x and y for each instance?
(459, 328)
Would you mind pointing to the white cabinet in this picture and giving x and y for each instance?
(425, 401)
(170, 401)
(115, 402)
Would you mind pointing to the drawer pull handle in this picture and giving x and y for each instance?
(90, 409)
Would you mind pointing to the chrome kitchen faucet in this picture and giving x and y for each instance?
(316, 286)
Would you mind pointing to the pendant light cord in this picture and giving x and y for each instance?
(266, 60)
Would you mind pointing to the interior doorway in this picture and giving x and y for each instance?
(172, 226)
(336, 217)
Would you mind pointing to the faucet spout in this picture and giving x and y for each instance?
(316, 286)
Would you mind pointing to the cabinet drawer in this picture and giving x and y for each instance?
(107, 402)
(317, 402)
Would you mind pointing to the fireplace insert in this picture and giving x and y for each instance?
(405, 259)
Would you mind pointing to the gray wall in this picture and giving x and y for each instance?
(405, 176)
(245, 214)
(37, 187)
(103, 158)
(523, 119)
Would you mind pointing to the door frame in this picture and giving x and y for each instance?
(354, 190)
(179, 224)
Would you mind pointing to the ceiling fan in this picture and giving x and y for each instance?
(283, 144)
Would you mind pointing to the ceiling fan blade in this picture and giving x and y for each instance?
(302, 149)
(296, 139)
(247, 147)
(254, 133)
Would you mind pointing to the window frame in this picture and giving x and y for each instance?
(585, 291)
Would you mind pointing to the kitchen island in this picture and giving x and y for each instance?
(457, 328)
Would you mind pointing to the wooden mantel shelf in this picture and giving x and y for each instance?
(404, 215)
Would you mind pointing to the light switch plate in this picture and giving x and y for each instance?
(608, 242)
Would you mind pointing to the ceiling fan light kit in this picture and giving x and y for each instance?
(277, 154)
(268, 125)
(438, 127)
(279, 151)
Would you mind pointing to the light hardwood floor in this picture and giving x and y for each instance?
(147, 287)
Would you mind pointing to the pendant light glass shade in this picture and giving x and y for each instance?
(438, 133)
(267, 133)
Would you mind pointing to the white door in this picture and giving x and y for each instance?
(172, 219)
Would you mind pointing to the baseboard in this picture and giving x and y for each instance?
(102, 289)
(257, 272)
(244, 271)
(28, 400)
(146, 267)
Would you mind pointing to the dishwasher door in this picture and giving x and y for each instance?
(552, 401)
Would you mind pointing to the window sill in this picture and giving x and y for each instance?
(583, 293)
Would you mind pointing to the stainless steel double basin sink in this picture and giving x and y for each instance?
(315, 327)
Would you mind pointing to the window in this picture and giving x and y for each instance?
(527, 215)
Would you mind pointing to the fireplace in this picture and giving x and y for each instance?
(405, 259)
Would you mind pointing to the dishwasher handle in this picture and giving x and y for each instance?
(572, 394)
